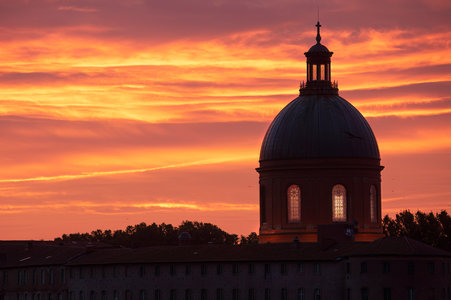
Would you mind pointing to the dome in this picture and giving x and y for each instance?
(319, 126)
(318, 48)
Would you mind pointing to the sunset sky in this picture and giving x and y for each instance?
(118, 112)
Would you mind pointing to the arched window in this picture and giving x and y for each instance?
(373, 203)
(339, 203)
(294, 204)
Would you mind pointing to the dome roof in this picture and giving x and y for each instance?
(319, 126)
(318, 48)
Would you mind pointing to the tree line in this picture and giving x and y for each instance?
(142, 235)
(429, 228)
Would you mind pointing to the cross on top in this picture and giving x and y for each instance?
(318, 36)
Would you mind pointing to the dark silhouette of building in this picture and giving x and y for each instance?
(319, 165)
(320, 223)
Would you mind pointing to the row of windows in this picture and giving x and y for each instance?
(410, 293)
(189, 294)
(39, 276)
(386, 268)
(219, 294)
(318, 72)
(44, 276)
(339, 203)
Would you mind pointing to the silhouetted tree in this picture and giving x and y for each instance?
(252, 238)
(142, 234)
(432, 229)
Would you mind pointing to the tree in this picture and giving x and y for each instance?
(141, 235)
(432, 229)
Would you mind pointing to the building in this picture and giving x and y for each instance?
(319, 164)
(320, 233)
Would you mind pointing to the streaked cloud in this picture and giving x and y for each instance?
(156, 109)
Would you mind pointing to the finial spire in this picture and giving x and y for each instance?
(318, 36)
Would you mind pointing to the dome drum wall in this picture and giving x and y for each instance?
(316, 179)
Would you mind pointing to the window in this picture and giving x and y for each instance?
(42, 276)
(300, 267)
(235, 269)
(314, 72)
(386, 267)
(187, 269)
(283, 269)
(203, 269)
(5, 277)
(157, 294)
(262, 204)
(203, 294)
(251, 294)
(267, 271)
(431, 268)
(323, 72)
(363, 267)
(267, 294)
(283, 294)
(235, 294)
(63, 275)
(317, 268)
(364, 293)
(387, 293)
(317, 294)
(81, 296)
(20, 277)
(35, 276)
(92, 272)
(103, 295)
(172, 294)
(294, 204)
(114, 271)
(172, 270)
(51, 276)
(157, 270)
(142, 295)
(300, 294)
(251, 268)
(115, 295)
(411, 294)
(80, 274)
(219, 269)
(92, 295)
(339, 203)
(410, 268)
(103, 271)
(373, 202)
(188, 294)
(218, 294)
(142, 271)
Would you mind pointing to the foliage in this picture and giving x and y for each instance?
(142, 235)
(432, 229)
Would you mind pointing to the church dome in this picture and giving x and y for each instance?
(319, 126)
(318, 48)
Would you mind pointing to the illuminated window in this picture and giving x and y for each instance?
(314, 72)
(373, 204)
(339, 203)
(294, 204)
(323, 72)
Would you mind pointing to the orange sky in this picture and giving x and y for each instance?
(116, 112)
